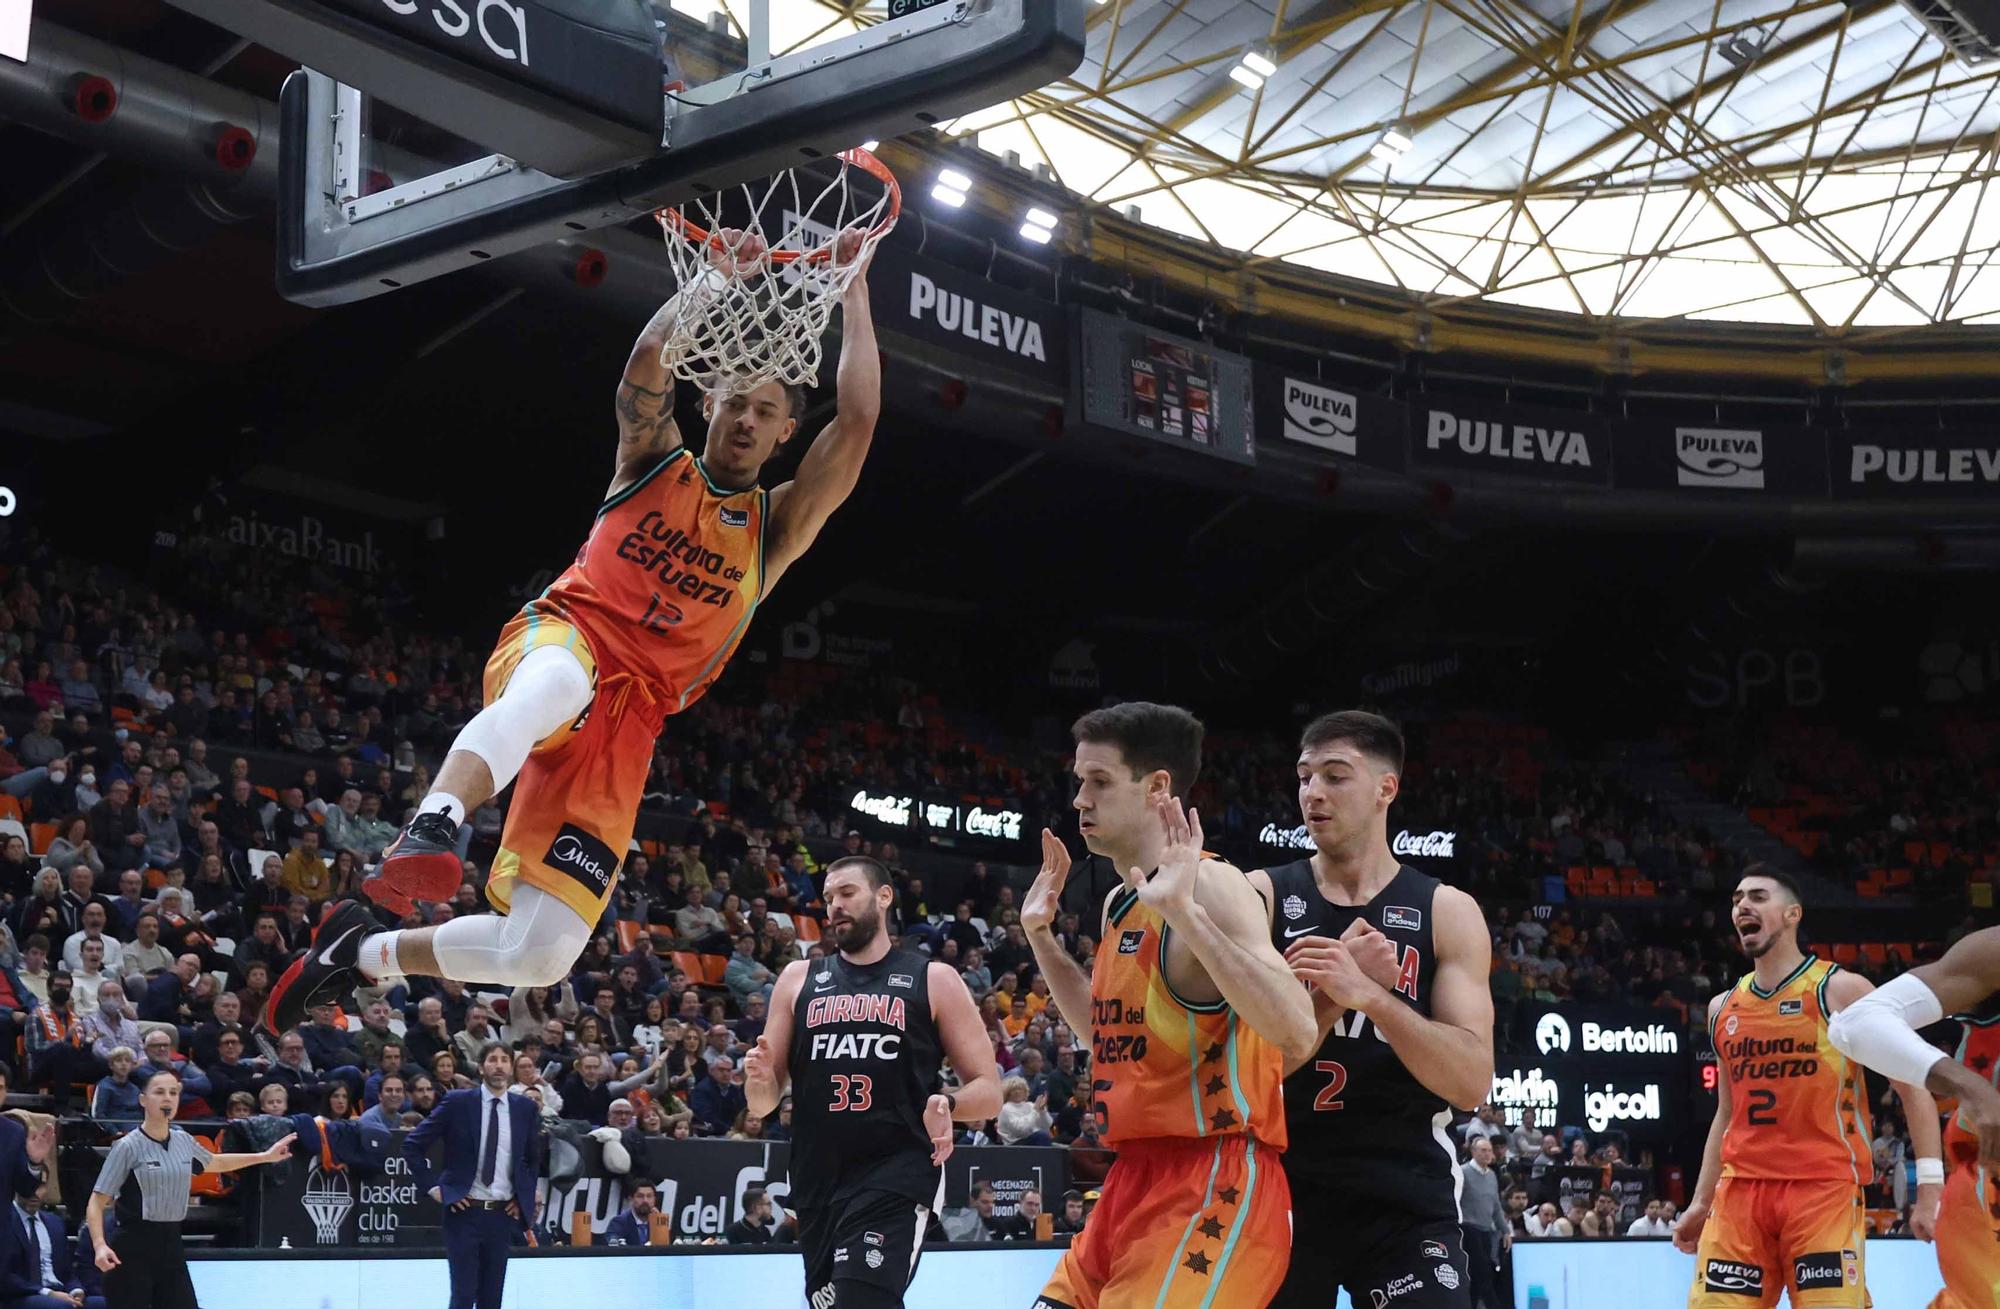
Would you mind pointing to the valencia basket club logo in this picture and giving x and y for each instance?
(328, 1198)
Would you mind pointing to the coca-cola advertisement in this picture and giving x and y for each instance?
(1434, 846)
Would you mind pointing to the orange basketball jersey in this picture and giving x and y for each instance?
(1166, 1068)
(1979, 1050)
(665, 585)
(1798, 1110)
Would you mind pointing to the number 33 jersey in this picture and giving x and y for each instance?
(665, 584)
(1798, 1110)
(864, 1059)
(1162, 1066)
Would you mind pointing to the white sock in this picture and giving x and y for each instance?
(443, 802)
(378, 961)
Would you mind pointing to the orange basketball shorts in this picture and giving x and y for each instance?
(1183, 1223)
(577, 796)
(1967, 1248)
(1767, 1236)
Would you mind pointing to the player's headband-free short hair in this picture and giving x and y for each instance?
(1772, 872)
(1373, 735)
(872, 869)
(1151, 738)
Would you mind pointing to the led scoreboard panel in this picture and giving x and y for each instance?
(1143, 382)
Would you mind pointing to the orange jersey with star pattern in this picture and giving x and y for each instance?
(1798, 1110)
(1162, 1067)
(1978, 1050)
(665, 586)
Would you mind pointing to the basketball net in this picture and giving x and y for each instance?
(757, 273)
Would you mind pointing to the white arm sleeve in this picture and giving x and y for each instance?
(1879, 1030)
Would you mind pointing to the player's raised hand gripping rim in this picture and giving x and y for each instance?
(1170, 890)
(1044, 902)
(937, 1126)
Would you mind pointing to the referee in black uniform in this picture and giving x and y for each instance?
(146, 1177)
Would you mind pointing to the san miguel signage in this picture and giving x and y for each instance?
(1546, 444)
(1911, 465)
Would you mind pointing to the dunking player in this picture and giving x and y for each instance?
(1398, 964)
(1790, 1140)
(684, 548)
(860, 1036)
(1192, 1016)
(1879, 1029)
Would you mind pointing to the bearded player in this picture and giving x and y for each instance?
(860, 1038)
(1879, 1029)
(1778, 1206)
(683, 550)
(1193, 1016)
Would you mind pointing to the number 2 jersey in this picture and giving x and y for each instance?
(1162, 1066)
(864, 1058)
(1358, 1117)
(666, 583)
(1798, 1106)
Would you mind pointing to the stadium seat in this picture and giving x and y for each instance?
(1845, 953)
(1874, 954)
(40, 837)
(628, 935)
(11, 808)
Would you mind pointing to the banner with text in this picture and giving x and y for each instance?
(1560, 445)
(1881, 465)
(998, 327)
(1726, 459)
(1604, 1068)
(1298, 413)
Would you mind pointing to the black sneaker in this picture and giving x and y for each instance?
(420, 864)
(322, 967)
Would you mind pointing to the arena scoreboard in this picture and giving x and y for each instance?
(1143, 382)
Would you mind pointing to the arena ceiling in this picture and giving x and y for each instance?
(1821, 164)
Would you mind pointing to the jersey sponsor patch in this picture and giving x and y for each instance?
(578, 855)
(1129, 942)
(1824, 1268)
(735, 517)
(1447, 1276)
(1794, 1005)
(874, 1258)
(1402, 918)
(1295, 907)
(1727, 1278)
(903, 980)
(873, 1238)
(822, 979)
(1729, 1026)
(1436, 1250)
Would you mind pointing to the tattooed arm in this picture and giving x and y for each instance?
(645, 403)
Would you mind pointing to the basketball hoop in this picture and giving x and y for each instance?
(757, 273)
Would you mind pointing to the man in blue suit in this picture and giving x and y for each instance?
(492, 1145)
(37, 1272)
(634, 1225)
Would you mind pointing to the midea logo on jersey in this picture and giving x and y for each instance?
(460, 22)
(1430, 845)
(1603, 1108)
(952, 312)
(582, 856)
(1316, 416)
(1713, 456)
(1552, 1034)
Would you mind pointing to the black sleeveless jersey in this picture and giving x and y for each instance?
(864, 1061)
(1355, 1114)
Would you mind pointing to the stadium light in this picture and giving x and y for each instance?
(1395, 143)
(1039, 225)
(1256, 66)
(952, 187)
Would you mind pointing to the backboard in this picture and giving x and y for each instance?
(406, 155)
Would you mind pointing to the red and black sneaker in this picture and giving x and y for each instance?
(420, 864)
(322, 967)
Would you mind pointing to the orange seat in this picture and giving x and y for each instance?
(1846, 952)
(806, 928)
(1900, 877)
(209, 1183)
(687, 963)
(40, 837)
(628, 935)
(1915, 851)
(1868, 890)
(11, 808)
(1874, 954)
